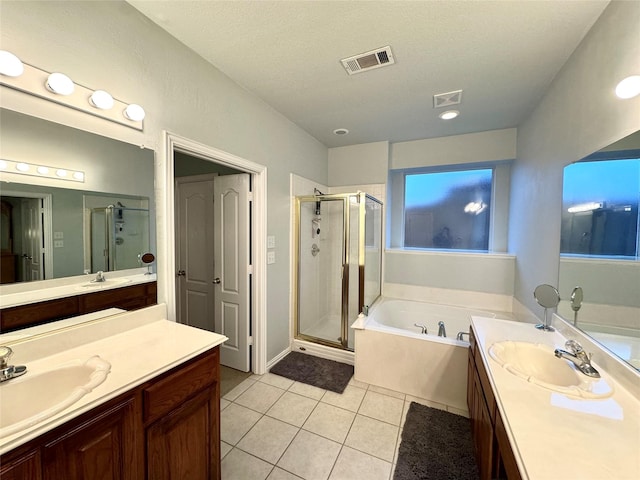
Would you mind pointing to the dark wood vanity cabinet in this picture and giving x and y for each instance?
(130, 297)
(492, 449)
(167, 428)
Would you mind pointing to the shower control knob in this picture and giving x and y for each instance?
(216, 280)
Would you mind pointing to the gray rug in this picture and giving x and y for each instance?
(315, 371)
(436, 445)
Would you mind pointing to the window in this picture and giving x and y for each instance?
(448, 210)
(600, 209)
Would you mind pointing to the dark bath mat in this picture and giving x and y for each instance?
(435, 445)
(315, 371)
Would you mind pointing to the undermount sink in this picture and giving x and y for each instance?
(30, 399)
(113, 282)
(536, 363)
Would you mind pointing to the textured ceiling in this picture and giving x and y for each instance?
(503, 54)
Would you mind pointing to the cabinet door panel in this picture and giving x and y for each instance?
(26, 467)
(184, 443)
(99, 449)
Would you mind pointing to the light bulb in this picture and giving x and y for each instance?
(59, 83)
(134, 112)
(61, 172)
(3, 165)
(78, 176)
(43, 170)
(23, 167)
(10, 65)
(101, 99)
(629, 87)
(449, 114)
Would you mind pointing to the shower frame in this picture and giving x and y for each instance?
(346, 259)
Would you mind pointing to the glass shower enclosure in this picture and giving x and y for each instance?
(338, 264)
(119, 237)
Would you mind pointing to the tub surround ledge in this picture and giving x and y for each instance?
(553, 434)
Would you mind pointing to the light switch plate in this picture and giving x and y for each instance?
(271, 241)
(58, 235)
(271, 257)
(58, 243)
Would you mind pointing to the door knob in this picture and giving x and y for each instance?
(216, 280)
(181, 273)
(27, 256)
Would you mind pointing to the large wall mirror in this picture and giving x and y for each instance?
(600, 247)
(105, 222)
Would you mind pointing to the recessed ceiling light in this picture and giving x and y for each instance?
(629, 87)
(10, 65)
(59, 83)
(341, 131)
(449, 114)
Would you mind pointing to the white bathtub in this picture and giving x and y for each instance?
(392, 353)
(400, 317)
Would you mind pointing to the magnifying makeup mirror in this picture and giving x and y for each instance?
(148, 259)
(547, 297)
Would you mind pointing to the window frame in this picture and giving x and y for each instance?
(499, 209)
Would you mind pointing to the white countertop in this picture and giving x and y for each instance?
(554, 435)
(139, 345)
(23, 293)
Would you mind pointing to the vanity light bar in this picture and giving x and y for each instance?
(35, 170)
(59, 88)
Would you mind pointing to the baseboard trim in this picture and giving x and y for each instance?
(277, 358)
(322, 351)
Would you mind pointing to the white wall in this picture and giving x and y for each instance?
(110, 45)
(578, 115)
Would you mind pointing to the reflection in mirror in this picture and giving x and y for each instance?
(577, 295)
(57, 232)
(600, 246)
(117, 189)
(547, 296)
(148, 259)
(54, 228)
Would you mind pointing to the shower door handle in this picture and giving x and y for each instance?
(216, 280)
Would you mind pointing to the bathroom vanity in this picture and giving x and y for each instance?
(131, 293)
(156, 415)
(535, 416)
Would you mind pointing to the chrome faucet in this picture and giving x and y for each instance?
(365, 310)
(423, 327)
(579, 357)
(461, 335)
(7, 372)
(441, 330)
(99, 277)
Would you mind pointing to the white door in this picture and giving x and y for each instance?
(194, 251)
(232, 269)
(32, 248)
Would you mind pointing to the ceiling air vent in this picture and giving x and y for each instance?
(380, 57)
(447, 99)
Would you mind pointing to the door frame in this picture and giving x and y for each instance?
(167, 245)
(47, 226)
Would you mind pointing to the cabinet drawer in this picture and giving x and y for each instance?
(178, 385)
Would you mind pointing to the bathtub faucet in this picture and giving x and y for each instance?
(423, 327)
(441, 331)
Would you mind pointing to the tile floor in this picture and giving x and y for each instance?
(274, 428)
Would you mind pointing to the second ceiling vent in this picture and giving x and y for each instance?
(380, 57)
